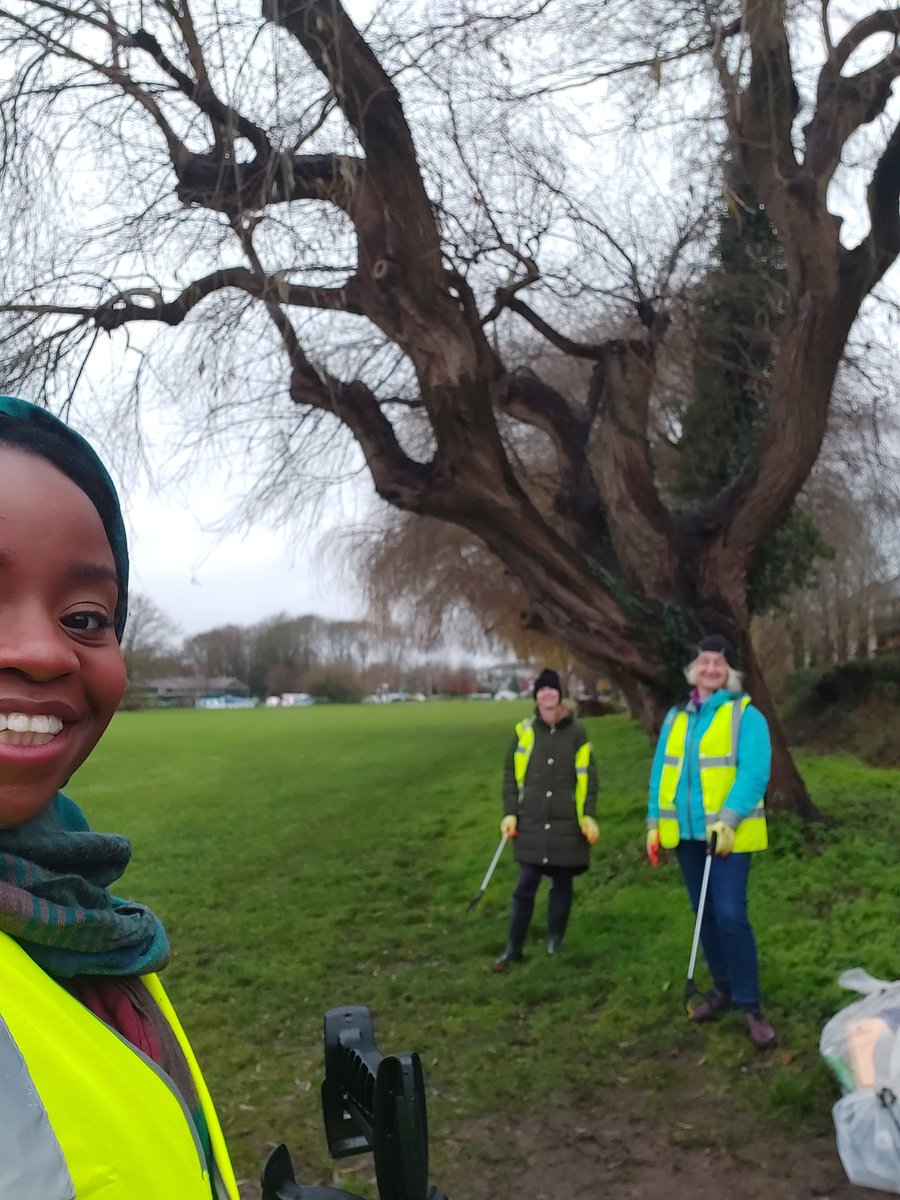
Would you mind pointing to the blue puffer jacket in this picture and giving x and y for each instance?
(753, 766)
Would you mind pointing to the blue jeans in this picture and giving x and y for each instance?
(729, 946)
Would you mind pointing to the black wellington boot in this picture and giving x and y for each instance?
(519, 920)
(559, 905)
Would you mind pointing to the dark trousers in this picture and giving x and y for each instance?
(726, 935)
(530, 880)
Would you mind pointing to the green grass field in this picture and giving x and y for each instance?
(307, 858)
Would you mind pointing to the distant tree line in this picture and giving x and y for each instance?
(338, 660)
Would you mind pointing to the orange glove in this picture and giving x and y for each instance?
(509, 825)
(591, 830)
(653, 846)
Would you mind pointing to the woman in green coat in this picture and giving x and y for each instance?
(549, 804)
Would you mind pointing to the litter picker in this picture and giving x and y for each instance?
(488, 873)
(690, 988)
(370, 1102)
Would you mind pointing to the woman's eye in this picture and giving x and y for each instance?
(87, 622)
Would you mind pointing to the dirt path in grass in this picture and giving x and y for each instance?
(608, 1154)
(607, 1147)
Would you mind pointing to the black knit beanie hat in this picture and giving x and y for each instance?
(41, 433)
(715, 643)
(547, 678)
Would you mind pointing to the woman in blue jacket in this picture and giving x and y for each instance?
(709, 776)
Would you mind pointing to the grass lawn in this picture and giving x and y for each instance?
(306, 858)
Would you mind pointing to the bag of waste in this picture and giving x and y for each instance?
(861, 1044)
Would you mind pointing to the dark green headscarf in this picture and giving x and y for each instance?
(54, 870)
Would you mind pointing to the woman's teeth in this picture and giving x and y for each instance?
(18, 729)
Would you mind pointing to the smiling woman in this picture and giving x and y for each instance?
(105, 1093)
(707, 788)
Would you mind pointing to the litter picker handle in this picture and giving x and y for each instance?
(489, 872)
(710, 854)
(370, 1101)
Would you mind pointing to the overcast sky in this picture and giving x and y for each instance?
(202, 578)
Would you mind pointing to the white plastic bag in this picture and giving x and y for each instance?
(861, 1044)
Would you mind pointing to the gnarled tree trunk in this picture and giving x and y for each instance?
(615, 575)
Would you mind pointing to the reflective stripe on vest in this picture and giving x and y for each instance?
(103, 1121)
(582, 762)
(717, 760)
(32, 1165)
(522, 757)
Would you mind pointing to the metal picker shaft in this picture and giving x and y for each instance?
(489, 872)
(689, 988)
(703, 889)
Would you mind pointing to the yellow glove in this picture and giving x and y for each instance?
(724, 838)
(590, 829)
(653, 846)
(509, 825)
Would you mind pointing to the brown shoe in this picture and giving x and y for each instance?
(761, 1032)
(710, 1009)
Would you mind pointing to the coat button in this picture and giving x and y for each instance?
(549, 762)
(547, 826)
(545, 861)
(549, 794)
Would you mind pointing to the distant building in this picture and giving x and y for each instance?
(184, 691)
(501, 676)
(226, 701)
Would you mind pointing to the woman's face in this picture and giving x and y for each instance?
(712, 672)
(548, 701)
(61, 670)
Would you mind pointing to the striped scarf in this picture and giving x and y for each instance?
(54, 875)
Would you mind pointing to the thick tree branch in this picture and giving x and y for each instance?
(578, 502)
(639, 522)
(123, 309)
(886, 20)
(770, 102)
(372, 106)
(844, 103)
(534, 402)
(234, 187)
(217, 180)
(590, 350)
(826, 281)
(882, 246)
(224, 118)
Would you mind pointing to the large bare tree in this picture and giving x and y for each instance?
(188, 118)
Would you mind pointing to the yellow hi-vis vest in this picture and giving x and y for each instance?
(85, 1115)
(522, 757)
(717, 752)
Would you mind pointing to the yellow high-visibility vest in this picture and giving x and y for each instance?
(717, 752)
(84, 1114)
(522, 756)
